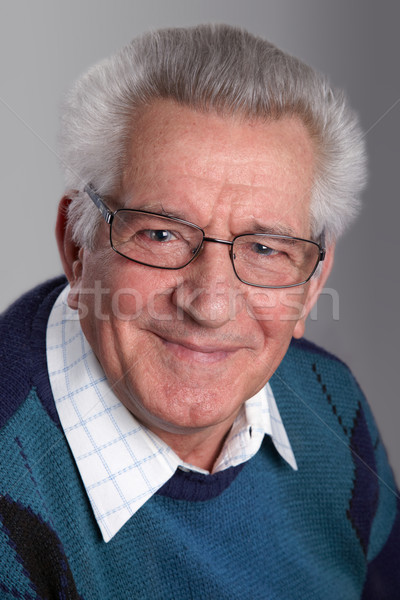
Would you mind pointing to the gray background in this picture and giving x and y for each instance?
(45, 45)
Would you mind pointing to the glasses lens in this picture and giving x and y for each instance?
(275, 261)
(154, 240)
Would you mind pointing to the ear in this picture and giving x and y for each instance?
(316, 285)
(67, 248)
(69, 251)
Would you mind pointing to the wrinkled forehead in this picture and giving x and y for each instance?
(203, 159)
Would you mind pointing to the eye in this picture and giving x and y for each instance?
(263, 250)
(160, 235)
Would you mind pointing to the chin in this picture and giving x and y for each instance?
(184, 411)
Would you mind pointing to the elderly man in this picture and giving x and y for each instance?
(166, 431)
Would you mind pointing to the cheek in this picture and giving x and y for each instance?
(134, 290)
(277, 313)
(125, 303)
(278, 307)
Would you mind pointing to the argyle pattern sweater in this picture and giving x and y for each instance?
(331, 530)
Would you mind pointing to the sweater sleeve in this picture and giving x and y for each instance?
(383, 573)
(382, 579)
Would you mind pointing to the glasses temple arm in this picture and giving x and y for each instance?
(322, 246)
(106, 212)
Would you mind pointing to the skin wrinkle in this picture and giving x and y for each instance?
(140, 135)
(190, 403)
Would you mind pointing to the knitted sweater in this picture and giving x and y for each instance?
(259, 531)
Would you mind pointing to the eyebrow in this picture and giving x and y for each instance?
(157, 207)
(255, 227)
(277, 229)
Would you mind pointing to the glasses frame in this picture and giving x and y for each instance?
(109, 216)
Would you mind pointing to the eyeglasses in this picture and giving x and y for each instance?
(258, 259)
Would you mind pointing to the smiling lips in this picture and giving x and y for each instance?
(198, 353)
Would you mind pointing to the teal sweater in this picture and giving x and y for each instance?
(260, 531)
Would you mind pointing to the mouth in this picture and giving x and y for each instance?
(199, 353)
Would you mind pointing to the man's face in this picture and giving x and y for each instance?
(184, 349)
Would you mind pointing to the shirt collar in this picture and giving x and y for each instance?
(121, 462)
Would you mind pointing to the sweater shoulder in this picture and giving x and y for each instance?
(311, 351)
(309, 367)
(323, 406)
(324, 386)
(23, 346)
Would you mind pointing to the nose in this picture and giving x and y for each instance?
(209, 292)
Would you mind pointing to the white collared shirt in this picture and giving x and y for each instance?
(121, 462)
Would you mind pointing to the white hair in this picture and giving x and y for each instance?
(208, 68)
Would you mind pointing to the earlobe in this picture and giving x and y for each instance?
(316, 286)
(299, 328)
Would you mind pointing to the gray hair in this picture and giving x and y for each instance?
(207, 67)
